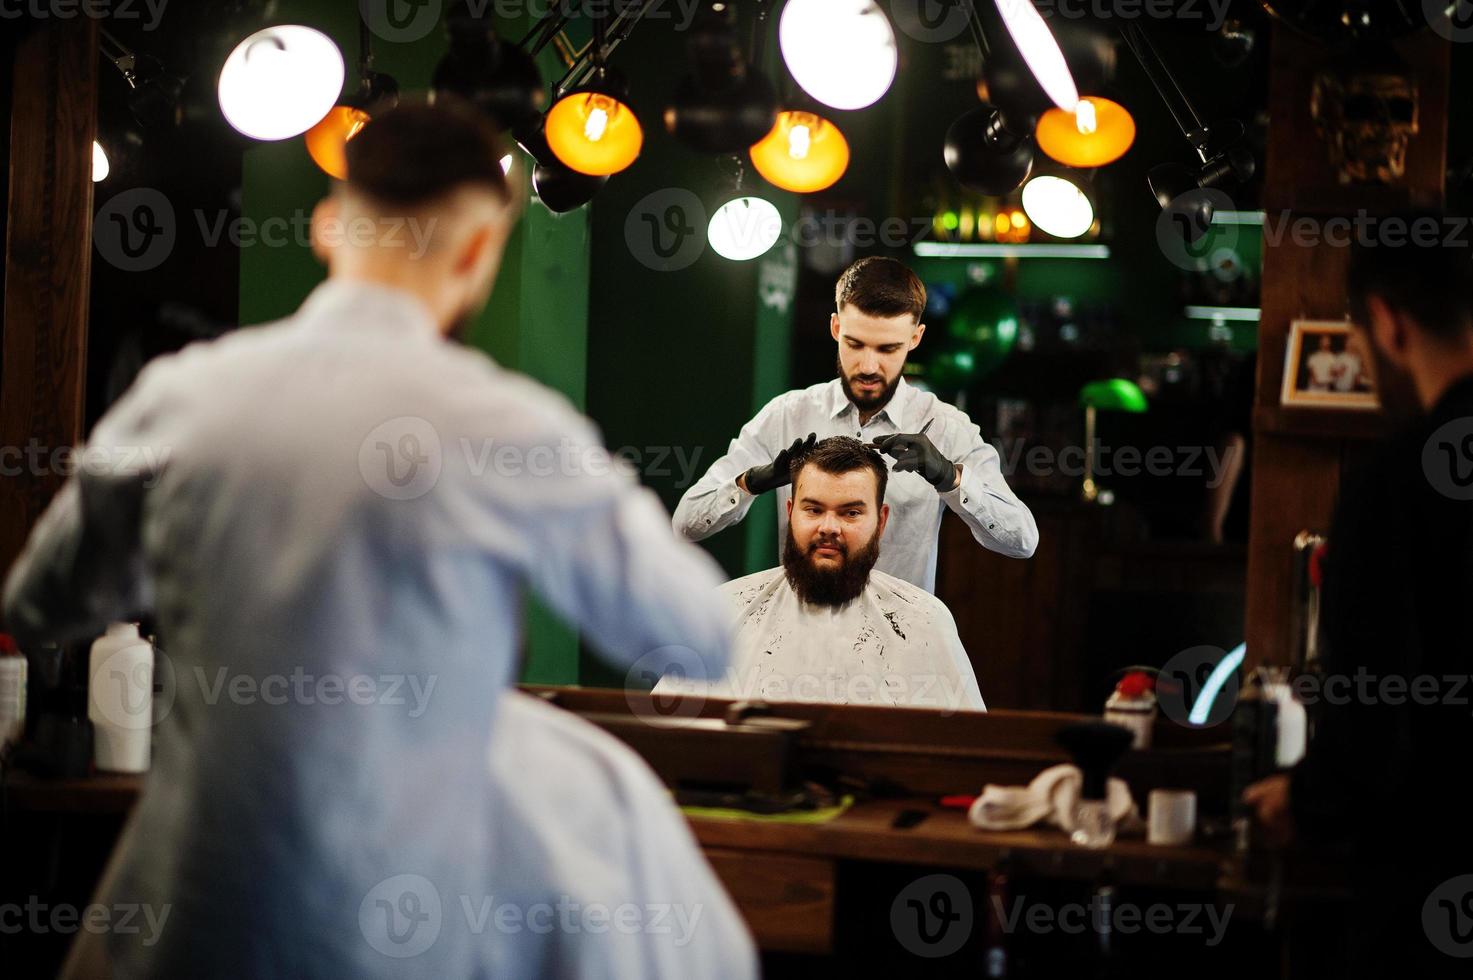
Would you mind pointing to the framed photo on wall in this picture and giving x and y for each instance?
(1327, 366)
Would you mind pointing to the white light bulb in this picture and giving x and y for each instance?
(279, 82)
(800, 138)
(842, 52)
(596, 126)
(1057, 206)
(100, 168)
(1041, 52)
(1084, 117)
(744, 228)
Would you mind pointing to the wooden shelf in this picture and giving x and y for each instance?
(1320, 423)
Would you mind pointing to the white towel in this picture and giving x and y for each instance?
(1051, 798)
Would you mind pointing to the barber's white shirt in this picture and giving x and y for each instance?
(894, 644)
(995, 515)
(336, 518)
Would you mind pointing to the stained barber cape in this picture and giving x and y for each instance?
(895, 644)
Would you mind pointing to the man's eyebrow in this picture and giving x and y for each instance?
(852, 503)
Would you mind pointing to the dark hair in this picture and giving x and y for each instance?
(1425, 273)
(417, 153)
(844, 454)
(879, 286)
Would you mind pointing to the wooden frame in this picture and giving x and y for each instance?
(1296, 392)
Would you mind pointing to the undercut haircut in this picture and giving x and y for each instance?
(1427, 274)
(418, 153)
(877, 286)
(838, 455)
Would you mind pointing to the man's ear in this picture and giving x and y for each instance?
(1389, 329)
(790, 508)
(327, 228)
(474, 250)
(884, 518)
(915, 338)
(834, 326)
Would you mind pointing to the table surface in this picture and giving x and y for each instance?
(864, 832)
(945, 838)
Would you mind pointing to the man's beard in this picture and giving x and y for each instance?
(828, 586)
(1395, 390)
(867, 403)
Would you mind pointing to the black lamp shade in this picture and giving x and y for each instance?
(722, 120)
(499, 78)
(559, 188)
(985, 155)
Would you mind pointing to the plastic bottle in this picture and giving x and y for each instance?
(12, 691)
(120, 699)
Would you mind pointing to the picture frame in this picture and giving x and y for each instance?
(1327, 365)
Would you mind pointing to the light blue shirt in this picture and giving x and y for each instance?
(335, 519)
(994, 514)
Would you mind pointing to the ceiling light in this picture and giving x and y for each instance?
(327, 141)
(842, 52)
(724, 105)
(100, 166)
(803, 153)
(985, 155)
(1097, 132)
(279, 82)
(1040, 51)
(494, 75)
(593, 130)
(744, 228)
(559, 188)
(1058, 206)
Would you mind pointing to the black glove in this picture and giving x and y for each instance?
(778, 473)
(914, 453)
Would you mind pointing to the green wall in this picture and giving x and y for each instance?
(681, 359)
(537, 319)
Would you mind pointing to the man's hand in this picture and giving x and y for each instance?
(914, 453)
(778, 473)
(1270, 800)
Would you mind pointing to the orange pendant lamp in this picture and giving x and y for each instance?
(1097, 132)
(804, 152)
(593, 130)
(328, 140)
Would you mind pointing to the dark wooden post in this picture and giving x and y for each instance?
(47, 265)
(1300, 453)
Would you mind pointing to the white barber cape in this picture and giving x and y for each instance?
(335, 519)
(896, 644)
(582, 821)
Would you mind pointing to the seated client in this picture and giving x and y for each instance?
(826, 626)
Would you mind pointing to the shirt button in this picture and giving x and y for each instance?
(991, 526)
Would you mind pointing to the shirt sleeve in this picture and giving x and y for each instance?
(982, 498)
(596, 546)
(715, 502)
(82, 566)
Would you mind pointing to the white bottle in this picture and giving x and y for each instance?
(1293, 719)
(120, 699)
(12, 691)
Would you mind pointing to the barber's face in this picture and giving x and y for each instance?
(872, 352)
(833, 517)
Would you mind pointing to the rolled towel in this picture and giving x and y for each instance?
(1050, 798)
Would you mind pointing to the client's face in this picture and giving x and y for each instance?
(834, 529)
